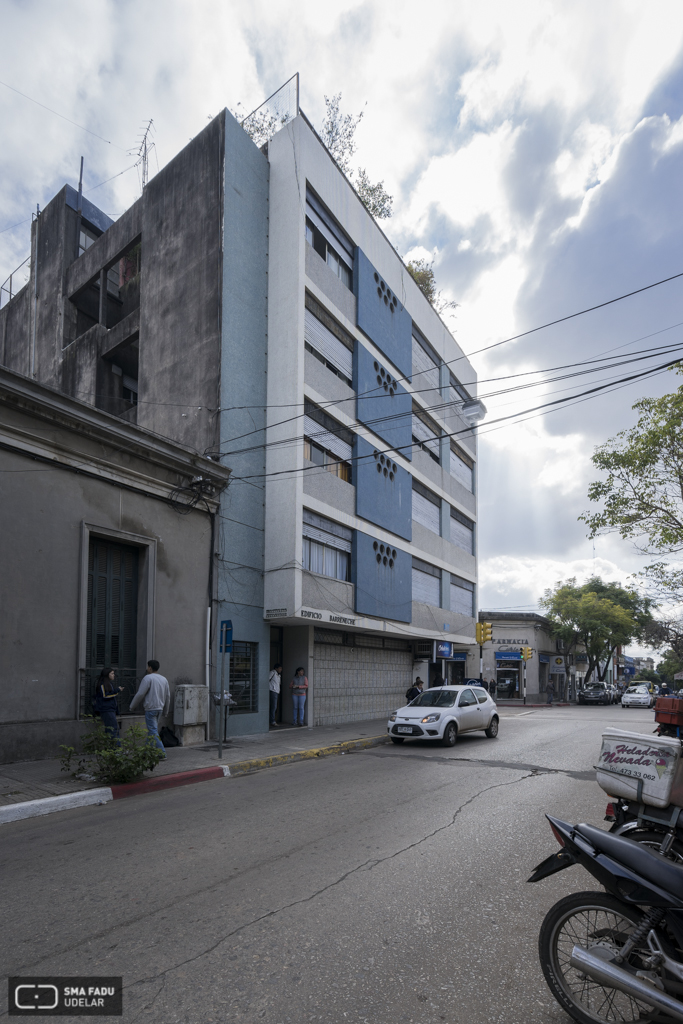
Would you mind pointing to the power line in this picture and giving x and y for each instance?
(63, 116)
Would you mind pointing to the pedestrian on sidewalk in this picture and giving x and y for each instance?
(412, 692)
(550, 688)
(436, 681)
(492, 687)
(155, 694)
(105, 703)
(299, 688)
(274, 681)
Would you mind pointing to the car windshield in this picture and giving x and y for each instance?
(435, 699)
(637, 689)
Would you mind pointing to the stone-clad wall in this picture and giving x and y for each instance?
(353, 684)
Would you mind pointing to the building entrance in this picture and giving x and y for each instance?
(507, 680)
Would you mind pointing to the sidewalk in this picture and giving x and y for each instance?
(21, 781)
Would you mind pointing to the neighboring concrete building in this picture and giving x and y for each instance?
(503, 661)
(643, 663)
(247, 306)
(106, 550)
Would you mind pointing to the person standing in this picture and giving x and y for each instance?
(105, 702)
(155, 693)
(492, 687)
(550, 690)
(436, 681)
(274, 681)
(299, 688)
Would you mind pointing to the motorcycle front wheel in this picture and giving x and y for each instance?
(601, 924)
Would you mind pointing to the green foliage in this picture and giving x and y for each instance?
(375, 198)
(668, 667)
(109, 761)
(422, 274)
(338, 132)
(648, 675)
(642, 489)
(600, 616)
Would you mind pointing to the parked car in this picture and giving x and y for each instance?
(444, 712)
(637, 697)
(595, 693)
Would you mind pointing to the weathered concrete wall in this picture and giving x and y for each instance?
(244, 369)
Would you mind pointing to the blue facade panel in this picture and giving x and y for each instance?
(382, 315)
(383, 404)
(383, 579)
(384, 491)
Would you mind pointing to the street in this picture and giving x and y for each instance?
(380, 886)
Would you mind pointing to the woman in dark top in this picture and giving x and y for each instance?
(105, 703)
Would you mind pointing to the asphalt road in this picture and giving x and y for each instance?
(382, 886)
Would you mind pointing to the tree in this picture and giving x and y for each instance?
(261, 125)
(338, 133)
(668, 667)
(422, 274)
(648, 676)
(642, 490)
(600, 616)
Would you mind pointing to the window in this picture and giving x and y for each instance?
(426, 508)
(462, 531)
(426, 583)
(244, 677)
(456, 392)
(86, 238)
(129, 389)
(436, 699)
(327, 347)
(462, 596)
(467, 699)
(462, 468)
(425, 370)
(328, 239)
(327, 547)
(426, 434)
(326, 442)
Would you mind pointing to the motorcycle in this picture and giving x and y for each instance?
(617, 955)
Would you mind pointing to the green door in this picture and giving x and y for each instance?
(111, 639)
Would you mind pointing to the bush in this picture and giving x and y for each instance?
(112, 761)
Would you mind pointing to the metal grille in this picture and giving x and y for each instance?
(244, 677)
(332, 636)
(111, 628)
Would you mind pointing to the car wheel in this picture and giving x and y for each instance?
(492, 730)
(450, 735)
(397, 739)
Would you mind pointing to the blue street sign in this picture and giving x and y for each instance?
(226, 636)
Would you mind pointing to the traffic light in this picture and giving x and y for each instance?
(483, 632)
(526, 653)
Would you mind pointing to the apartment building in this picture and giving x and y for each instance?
(249, 308)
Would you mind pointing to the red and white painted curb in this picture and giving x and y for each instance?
(87, 797)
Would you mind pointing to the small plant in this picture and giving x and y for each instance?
(111, 761)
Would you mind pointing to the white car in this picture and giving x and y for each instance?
(636, 697)
(442, 713)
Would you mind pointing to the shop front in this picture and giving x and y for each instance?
(448, 663)
(509, 675)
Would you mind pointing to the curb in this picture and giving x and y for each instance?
(86, 797)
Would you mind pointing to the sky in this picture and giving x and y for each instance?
(534, 152)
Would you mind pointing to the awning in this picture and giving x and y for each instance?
(508, 655)
(544, 659)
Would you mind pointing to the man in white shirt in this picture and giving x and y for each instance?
(274, 680)
(156, 692)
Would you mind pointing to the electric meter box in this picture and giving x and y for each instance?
(191, 705)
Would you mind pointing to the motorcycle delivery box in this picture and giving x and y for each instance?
(643, 768)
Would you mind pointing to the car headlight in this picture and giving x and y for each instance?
(392, 718)
(431, 718)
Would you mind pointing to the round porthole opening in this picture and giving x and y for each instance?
(381, 548)
(379, 559)
(375, 546)
(391, 563)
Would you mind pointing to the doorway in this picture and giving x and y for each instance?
(112, 619)
(507, 680)
(276, 651)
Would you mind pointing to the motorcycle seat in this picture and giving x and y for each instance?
(653, 867)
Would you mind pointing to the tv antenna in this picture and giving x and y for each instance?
(144, 150)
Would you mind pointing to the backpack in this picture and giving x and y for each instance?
(169, 738)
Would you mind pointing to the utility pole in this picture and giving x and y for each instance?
(483, 633)
(525, 653)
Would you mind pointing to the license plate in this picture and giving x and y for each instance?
(405, 728)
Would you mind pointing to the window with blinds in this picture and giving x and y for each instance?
(426, 434)
(462, 596)
(326, 441)
(326, 547)
(462, 531)
(425, 372)
(462, 469)
(426, 508)
(328, 239)
(426, 583)
(327, 347)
